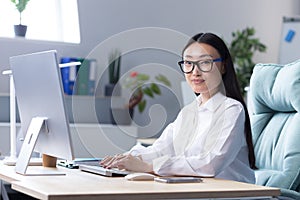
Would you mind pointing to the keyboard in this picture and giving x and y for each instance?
(97, 169)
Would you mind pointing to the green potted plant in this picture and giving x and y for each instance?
(20, 30)
(140, 87)
(242, 48)
(114, 63)
(137, 83)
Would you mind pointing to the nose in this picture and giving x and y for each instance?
(196, 71)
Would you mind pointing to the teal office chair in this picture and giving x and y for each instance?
(275, 96)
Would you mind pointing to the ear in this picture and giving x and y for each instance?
(223, 69)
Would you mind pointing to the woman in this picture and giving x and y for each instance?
(211, 137)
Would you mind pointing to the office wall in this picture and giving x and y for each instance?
(102, 19)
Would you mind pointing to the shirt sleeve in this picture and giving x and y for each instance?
(162, 146)
(226, 148)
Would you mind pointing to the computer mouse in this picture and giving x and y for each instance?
(139, 176)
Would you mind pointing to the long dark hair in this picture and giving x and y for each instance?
(230, 82)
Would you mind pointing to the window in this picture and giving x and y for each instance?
(51, 20)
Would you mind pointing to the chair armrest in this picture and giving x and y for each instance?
(289, 194)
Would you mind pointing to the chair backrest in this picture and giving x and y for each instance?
(275, 95)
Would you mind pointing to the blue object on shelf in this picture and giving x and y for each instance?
(290, 35)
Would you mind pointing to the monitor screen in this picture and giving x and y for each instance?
(41, 106)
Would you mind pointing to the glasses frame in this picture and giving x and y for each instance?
(180, 63)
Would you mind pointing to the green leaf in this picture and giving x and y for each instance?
(155, 89)
(148, 92)
(142, 106)
(114, 62)
(142, 77)
(20, 5)
(242, 49)
(161, 78)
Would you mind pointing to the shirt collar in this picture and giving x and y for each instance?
(213, 103)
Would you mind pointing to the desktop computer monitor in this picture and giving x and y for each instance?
(40, 99)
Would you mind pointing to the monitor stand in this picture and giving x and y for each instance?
(37, 124)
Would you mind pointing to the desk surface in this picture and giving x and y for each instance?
(81, 185)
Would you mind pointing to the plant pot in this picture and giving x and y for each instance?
(121, 116)
(20, 30)
(112, 89)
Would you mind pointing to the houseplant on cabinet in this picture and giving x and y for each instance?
(114, 63)
(20, 30)
(140, 86)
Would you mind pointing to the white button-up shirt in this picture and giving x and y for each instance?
(205, 140)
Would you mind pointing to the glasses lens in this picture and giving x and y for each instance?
(205, 65)
(187, 66)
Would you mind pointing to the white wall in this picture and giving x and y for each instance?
(100, 19)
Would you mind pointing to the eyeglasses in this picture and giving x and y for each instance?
(203, 65)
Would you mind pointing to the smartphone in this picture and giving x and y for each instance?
(178, 179)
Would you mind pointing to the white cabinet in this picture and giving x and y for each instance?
(89, 140)
(98, 140)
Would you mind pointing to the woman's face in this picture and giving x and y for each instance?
(206, 83)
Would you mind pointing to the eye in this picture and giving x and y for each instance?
(205, 62)
(188, 63)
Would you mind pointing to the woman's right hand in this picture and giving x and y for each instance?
(111, 161)
(127, 162)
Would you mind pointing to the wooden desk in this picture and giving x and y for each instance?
(81, 185)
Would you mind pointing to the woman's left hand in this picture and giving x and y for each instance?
(131, 163)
